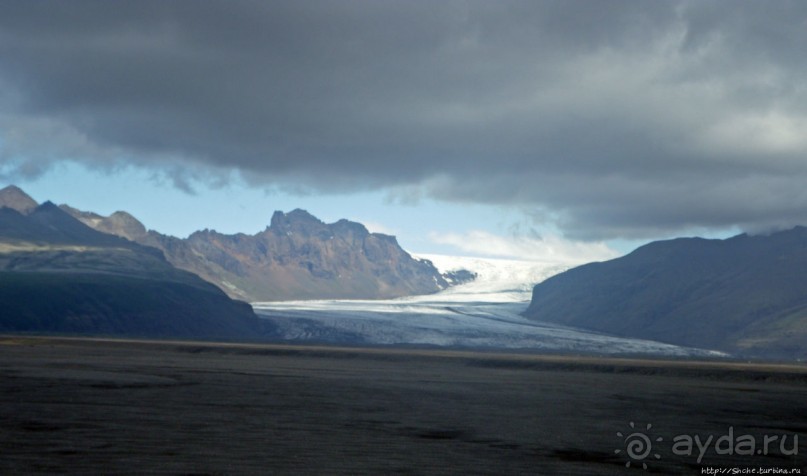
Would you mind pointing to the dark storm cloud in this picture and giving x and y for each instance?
(615, 118)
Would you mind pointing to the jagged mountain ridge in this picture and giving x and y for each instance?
(300, 257)
(296, 257)
(58, 275)
(743, 295)
(119, 223)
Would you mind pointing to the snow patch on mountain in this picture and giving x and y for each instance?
(498, 280)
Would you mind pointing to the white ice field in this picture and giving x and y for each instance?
(482, 314)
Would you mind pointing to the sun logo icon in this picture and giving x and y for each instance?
(638, 445)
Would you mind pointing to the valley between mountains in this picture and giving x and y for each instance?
(68, 271)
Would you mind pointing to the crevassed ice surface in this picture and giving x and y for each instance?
(483, 313)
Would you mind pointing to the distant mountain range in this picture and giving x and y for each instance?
(296, 257)
(744, 295)
(63, 270)
(58, 275)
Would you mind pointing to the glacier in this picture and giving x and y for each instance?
(484, 313)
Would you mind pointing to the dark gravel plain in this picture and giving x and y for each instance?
(94, 406)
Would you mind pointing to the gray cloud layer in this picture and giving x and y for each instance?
(616, 119)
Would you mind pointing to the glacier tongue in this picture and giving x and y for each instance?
(482, 313)
(498, 280)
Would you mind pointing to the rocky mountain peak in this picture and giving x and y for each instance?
(123, 224)
(296, 217)
(48, 207)
(297, 257)
(347, 226)
(59, 226)
(13, 197)
(119, 223)
(79, 214)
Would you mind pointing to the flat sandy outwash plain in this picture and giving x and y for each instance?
(90, 406)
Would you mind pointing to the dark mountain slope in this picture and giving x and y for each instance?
(58, 275)
(103, 304)
(746, 294)
(60, 227)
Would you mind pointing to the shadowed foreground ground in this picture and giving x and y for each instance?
(112, 407)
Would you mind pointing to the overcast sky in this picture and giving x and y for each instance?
(601, 120)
